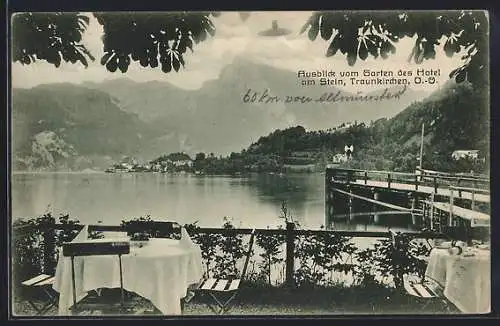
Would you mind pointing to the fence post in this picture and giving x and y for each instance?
(452, 202)
(435, 185)
(389, 180)
(396, 262)
(290, 254)
(416, 182)
(366, 177)
(49, 246)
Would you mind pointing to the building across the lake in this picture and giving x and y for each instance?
(465, 153)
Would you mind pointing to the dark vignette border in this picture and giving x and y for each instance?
(157, 5)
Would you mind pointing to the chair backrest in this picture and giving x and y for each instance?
(88, 248)
(73, 249)
(156, 229)
(249, 253)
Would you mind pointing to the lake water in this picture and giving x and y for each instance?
(251, 201)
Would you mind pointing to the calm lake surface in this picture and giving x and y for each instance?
(251, 201)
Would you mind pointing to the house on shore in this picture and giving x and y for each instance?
(465, 153)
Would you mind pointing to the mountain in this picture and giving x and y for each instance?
(69, 127)
(74, 127)
(215, 119)
(149, 100)
(455, 117)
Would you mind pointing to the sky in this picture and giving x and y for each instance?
(233, 38)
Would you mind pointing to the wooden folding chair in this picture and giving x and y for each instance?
(223, 291)
(42, 283)
(426, 290)
(78, 249)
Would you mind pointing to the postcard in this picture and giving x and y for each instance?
(173, 164)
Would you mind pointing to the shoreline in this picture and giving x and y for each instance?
(171, 173)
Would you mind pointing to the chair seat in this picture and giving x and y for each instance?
(219, 285)
(42, 283)
(40, 280)
(425, 289)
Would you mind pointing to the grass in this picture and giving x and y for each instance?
(264, 300)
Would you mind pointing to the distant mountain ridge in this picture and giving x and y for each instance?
(74, 127)
(205, 117)
(156, 99)
(68, 127)
(454, 117)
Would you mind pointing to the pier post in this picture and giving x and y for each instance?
(350, 201)
(432, 212)
(376, 217)
(411, 196)
(327, 201)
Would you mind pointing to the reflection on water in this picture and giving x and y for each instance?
(252, 201)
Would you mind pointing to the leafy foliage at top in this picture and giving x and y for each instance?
(161, 39)
(152, 39)
(53, 37)
(363, 34)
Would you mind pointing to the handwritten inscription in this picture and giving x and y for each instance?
(265, 97)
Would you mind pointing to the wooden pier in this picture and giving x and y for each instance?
(351, 193)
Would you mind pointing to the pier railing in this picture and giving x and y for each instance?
(415, 180)
(290, 234)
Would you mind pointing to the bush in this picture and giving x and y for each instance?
(29, 257)
(321, 260)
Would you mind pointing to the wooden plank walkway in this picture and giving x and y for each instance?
(477, 218)
(425, 189)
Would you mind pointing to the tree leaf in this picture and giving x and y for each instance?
(351, 58)
(363, 52)
(313, 32)
(460, 76)
(326, 28)
(105, 58)
(112, 65)
(144, 61)
(176, 64)
(153, 62)
(304, 27)
(334, 46)
(166, 63)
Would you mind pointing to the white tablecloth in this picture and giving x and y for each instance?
(161, 272)
(466, 279)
